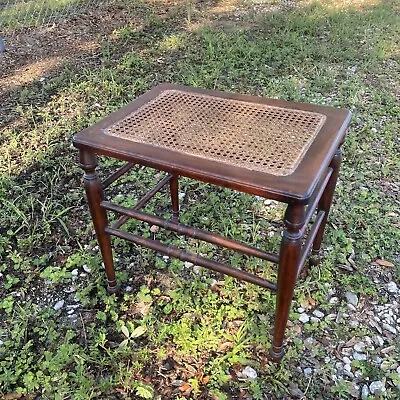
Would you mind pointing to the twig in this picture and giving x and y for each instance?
(84, 329)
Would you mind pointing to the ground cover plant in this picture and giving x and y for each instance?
(178, 331)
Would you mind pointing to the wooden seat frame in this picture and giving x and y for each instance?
(308, 193)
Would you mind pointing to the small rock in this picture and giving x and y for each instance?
(352, 298)
(71, 311)
(359, 356)
(347, 367)
(358, 374)
(59, 305)
(351, 307)
(398, 370)
(75, 272)
(389, 328)
(165, 258)
(309, 343)
(333, 300)
(181, 195)
(377, 360)
(188, 264)
(295, 391)
(376, 385)
(128, 289)
(87, 269)
(392, 287)
(307, 371)
(300, 310)
(249, 373)
(346, 360)
(388, 350)
(304, 318)
(359, 347)
(154, 229)
(364, 392)
(196, 269)
(355, 390)
(378, 340)
(1, 343)
(318, 314)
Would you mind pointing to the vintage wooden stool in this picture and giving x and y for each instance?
(279, 150)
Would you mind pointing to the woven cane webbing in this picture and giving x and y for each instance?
(250, 135)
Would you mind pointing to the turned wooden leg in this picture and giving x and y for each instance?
(325, 205)
(289, 259)
(94, 193)
(173, 184)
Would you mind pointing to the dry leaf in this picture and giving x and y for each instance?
(12, 396)
(384, 263)
(205, 380)
(223, 347)
(185, 387)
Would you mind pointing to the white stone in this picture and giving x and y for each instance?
(378, 340)
(87, 269)
(128, 289)
(188, 264)
(250, 373)
(300, 310)
(346, 360)
(71, 311)
(165, 258)
(352, 298)
(1, 343)
(196, 269)
(181, 195)
(307, 371)
(75, 272)
(318, 314)
(304, 318)
(333, 300)
(392, 287)
(359, 356)
(364, 392)
(389, 328)
(376, 385)
(347, 367)
(359, 347)
(59, 305)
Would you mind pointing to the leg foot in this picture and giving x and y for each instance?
(289, 260)
(94, 193)
(276, 354)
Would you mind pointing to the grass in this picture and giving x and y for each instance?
(176, 333)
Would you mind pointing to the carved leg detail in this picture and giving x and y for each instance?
(288, 263)
(174, 197)
(94, 194)
(325, 205)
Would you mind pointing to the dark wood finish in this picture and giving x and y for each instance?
(117, 174)
(295, 187)
(308, 189)
(289, 260)
(325, 205)
(190, 231)
(174, 188)
(144, 200)
(94, 193)
(195, 259)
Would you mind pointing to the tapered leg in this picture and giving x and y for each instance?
(174, 197)
(287, 274)
(325, 205)
(94, 194)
